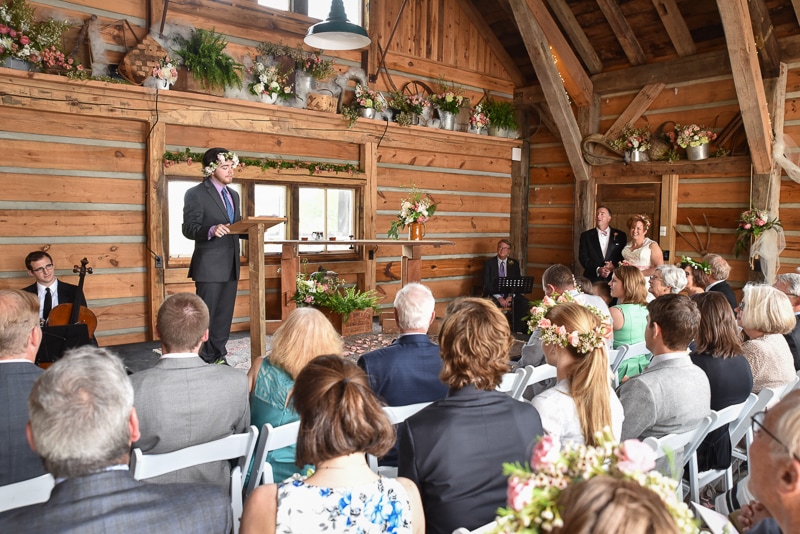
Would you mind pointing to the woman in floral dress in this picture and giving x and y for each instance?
(340, 421)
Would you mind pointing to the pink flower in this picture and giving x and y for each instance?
(748, 226)
(308, 299)
(561, 330)
(635, 457)
(544, 323)
(760, 222)
(519, 493)
(573, 338)
(4, 29)
(24, 40)
(546, 452)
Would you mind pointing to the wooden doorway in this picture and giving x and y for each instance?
(625, 200)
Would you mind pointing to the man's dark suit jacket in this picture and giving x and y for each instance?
(112, 501)
(17, 461)
(726, 290)
(454, 451)
(491, 273)
(591, 255)
(406, 372)
(216, 259)
(67, 293)
(793, 339)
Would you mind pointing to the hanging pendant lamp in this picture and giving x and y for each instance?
(336, 32)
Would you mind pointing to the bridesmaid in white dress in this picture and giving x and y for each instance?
(641, 251)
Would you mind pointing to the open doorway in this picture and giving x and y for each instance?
(625, 200)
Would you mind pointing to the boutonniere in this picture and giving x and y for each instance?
(615, 236)
(511, 262)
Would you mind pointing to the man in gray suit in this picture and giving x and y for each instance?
(672, 394)
(20, 337)
(182, 401)
(82, 423)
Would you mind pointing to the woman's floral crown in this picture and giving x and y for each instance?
(222, 157)
(552, 334)
(703, 266)
(533, 493)
(645, 220)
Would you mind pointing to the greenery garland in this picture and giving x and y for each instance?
(313, 167)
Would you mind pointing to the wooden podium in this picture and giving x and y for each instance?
(254, 228)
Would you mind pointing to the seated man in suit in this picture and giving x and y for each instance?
(600, 248)
(82, 423)
(20, 336)
(48, 288)
(407, 371)
(501, 266)
(182, 401)
(717, 278)
(672, 395)
(789, 284)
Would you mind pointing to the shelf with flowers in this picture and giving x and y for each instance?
(449, 101)
(366, 103)
(410, 109)
(26, 44)
(165, 73)
(634, 142)
(270, 83)
(348, 309)
(694, 139)
(415, 211)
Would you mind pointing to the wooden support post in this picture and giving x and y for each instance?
(369, 162)
(258, 307)
(156, 198)
(669, 214)
(520, 189)
(290, 265)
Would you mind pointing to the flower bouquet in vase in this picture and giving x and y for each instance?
(270, 83)
(694, 139)
(478, 120)
(634, 142)
(165, 73)
(415, 211)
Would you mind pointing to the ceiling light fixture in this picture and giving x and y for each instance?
(336, 32)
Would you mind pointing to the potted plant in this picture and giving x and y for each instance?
(270, 83)
(24, 42)
(366, 103)
(204, 57)
(634, 142)
(478, 120)
(348, 309)
(501, 117)
(694, 139)
(449, 101)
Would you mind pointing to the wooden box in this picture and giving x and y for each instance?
(359, 322)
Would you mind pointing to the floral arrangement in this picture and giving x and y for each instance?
(54, 59)
(533, 492)
(322, 289)
(166, 71)
(753, 223)
(307, 62)
(21, 37)
(634, 139)
(692, 135)
(558, 335)
(478, 119)
(703, 266)
(417, 103)
(313, 167)
(269, 80)
(221, 158)
(418, 207)
(449, 101)
(367, 98)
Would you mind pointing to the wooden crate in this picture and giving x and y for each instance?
(359, 322)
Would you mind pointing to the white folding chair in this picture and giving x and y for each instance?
(239, 446)
(538, 374)
(684, 442)
(512, 383)
(271, 439)
(31, 491)
(742, 430)
(626, 352)
(727, 416)
(485, 529)
(396, 414)
(797, 382)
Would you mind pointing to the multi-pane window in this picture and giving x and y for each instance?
(317, 9)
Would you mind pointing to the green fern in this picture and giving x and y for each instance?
(203, 54)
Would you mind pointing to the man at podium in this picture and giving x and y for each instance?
(503, 266)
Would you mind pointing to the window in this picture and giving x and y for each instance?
(326, 214)
(270, 200)
(318, 9)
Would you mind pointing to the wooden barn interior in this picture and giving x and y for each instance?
(84, 168)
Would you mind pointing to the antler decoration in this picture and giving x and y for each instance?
(700, 248)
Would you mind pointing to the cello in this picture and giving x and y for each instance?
(66, 314)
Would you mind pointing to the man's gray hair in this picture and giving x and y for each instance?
(792, 281)
(720, 269)
(674, 277)
(79, 413)
(19, 315)
(414, 304)
(559, 276)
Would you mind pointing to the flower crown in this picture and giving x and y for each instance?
(551, 334)
(703, 266)
(644, 219)
(533, 493)
(222, 157)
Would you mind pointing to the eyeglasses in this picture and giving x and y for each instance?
(758, 421)
(504, 248)
(43, 268)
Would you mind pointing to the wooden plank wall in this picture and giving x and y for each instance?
(721, 192)
(85, 176)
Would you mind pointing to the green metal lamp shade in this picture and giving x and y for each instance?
(336, 32)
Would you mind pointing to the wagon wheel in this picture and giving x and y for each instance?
(415, 87)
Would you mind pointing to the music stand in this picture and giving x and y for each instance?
(58, 339)
(513, 286)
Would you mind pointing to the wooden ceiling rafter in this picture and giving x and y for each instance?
(769, 53)
(676, 27)
(623, 31)
(576, 35)
(635, 109)
(536, 43)
(494, 44)
(796, 7)
(574, 77)
(747, 79)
